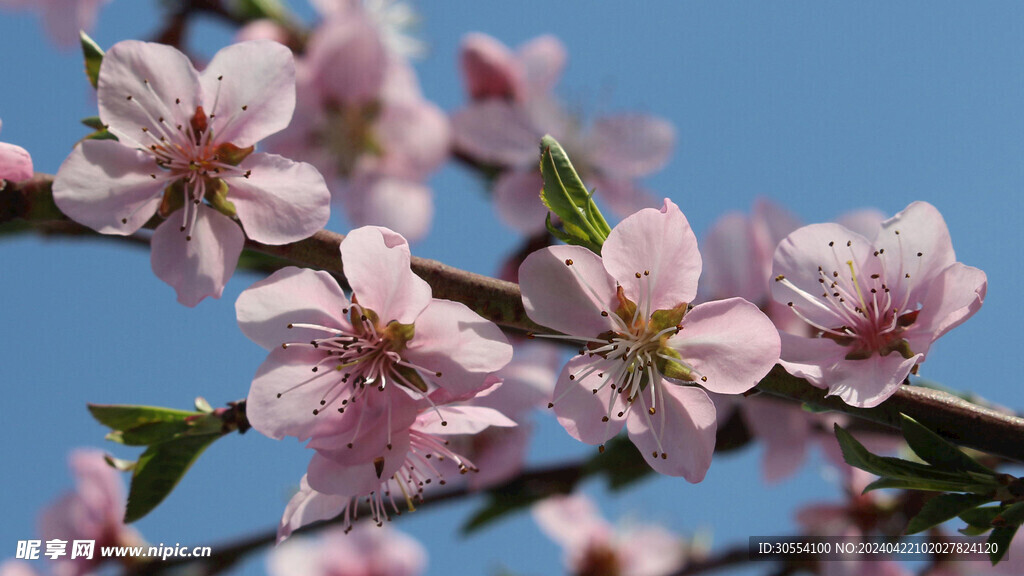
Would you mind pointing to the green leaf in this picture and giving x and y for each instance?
(1000, 538)
(521, 493)
(937, 451)
(93, 58)
(152, 433)
(128, 417)
(159, 470)
(621, 463)
(94, 122)
(1012, 515)
(930, 485)
(942, 508)
(981, 517)
(566, 196)
(858, 456)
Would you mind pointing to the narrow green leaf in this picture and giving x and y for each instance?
(937, 451)
(93, 58)
(942, 508)
(1000, 538)
(929, 485)
(973, 530)
(126, 417)
(159, 470)
(981, 517)
(151, 433)
(1012, 515)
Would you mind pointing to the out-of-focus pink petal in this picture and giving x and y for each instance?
(517, 200)
(785, 430)
(15, 163)
(263, 29)
(456, 342)
(683, 428)
(376, 262)
(281, 201)
(658, 242)
(415, 136)
(496, 132)
(918, 229)
(543, 60)
(651, 551)
(623, 197)
(108, 187)
(571, 520)
(199, 267)
(64, 20)
(730, 342)
(405, 206)
(580, 410)
(631, 145)
(291, 295)
(568, 298)
(529, 379)
(141, 82)
(489, 68)
(953, 297)
(867, 383)
(308, 506)
(249, 89)
(17, 568)
(499, 455)
(349, 59)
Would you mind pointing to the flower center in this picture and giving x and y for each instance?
(349, 134)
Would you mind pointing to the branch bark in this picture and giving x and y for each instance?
(960, 421)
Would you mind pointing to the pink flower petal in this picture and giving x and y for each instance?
(455, 341)
(281, 201)
(462, 420)
(141, 82)
(376, 262)
(922, 231)
(659, 242)
(102, 183)
(867, 222)
(785, 430)
(572, 521)
(291, 295)
(683, 428)
(367, 430)
(581, 411)
(415, 136)
(953, 297)
(798, 258)
(15, 163)
(285, 392)
(496, 132)
(631, 145)
(405, 206)
(64, 20)
(808, 357)
(308, 506)
(543, 60)
(325, 475)
(199, 267)
(730, 342)
(867, 383)
(348, 59)
(569, 299)
(249, 88)
(732, 266)
(517, 200)
(489, 68)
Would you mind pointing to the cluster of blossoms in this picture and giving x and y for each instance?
(362, 120)
(512, 107)
(185, 150)
(362, 551)
(374, 382)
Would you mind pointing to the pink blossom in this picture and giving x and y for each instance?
(389, 344)
(364, 123)
(491, 70)
(513, 108)
(185, 136)
(17, 568)
(646, 360)
(63, 19)
(15, 163)
(337, 480)
(363, 551)
(875, 306)
(592, 545)
(94, 511)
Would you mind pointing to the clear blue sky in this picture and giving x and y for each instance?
(822, 106)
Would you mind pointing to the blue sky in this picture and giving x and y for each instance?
(822, 106)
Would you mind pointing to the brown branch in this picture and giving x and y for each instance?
(960, 421)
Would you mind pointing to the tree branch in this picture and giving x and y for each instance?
(962, 422)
